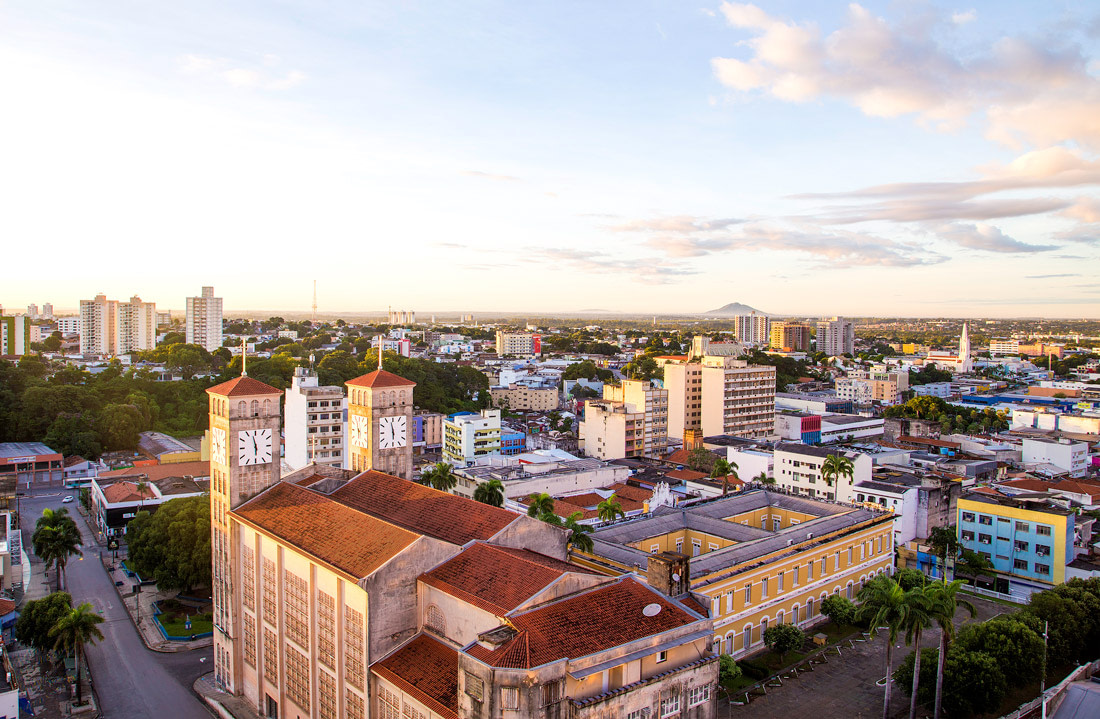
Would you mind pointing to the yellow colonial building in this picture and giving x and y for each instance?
(754, 559)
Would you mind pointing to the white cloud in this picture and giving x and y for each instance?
(1030, 92)
(985, 237)
(236, 75)
(961, 18)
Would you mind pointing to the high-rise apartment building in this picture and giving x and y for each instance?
(790, 336)
(316, 424)
(32, 311)
(469, 436)
(752, 328)
(720, 395)
(110, 327)
(836, 337)
(15, 335)
(518, 343)
(47, 311)
(204, 320)
(630, 421)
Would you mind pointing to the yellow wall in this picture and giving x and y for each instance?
(667, 542)
(787, 517)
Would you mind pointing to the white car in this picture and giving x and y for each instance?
(67, 499)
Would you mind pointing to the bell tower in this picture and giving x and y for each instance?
(244, 461)
(380, 407)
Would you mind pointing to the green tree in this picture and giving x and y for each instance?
(944, 544)
(578, 533)
(784, 638)
(724, 469)
(52, 343)
(943, 602)
(491, 492)
(1073, 613)
(73, 631)
(172, 544)
(120, 425)
(839, 609)
(173, 338)
(836, 466)
(609, 509)
(728, 670)
(440, 476)
(188, 360)
(910, 578)
(972, 564)
(38, 616)
(539, 505)
(337, 367)
(882, 604)
(55, 539)
(702, 459)
(918, 617)
(72, 434)
(973, 682)
(643, 368)
(763, 478)
(1016, 648)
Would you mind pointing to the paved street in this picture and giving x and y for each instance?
(845, 686)
(130, 680)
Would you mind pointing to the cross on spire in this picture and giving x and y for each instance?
(379, 352)
(244, 357)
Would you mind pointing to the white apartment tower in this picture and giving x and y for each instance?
(316, 426)
(204, 320)
(720, 395)
(110, 327)
(836, 337)
(752, 328)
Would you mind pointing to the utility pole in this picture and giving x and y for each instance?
(1043, 678)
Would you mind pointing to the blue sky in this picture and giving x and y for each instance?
(886, 158)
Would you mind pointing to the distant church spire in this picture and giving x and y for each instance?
(379, 352)
(244, 358)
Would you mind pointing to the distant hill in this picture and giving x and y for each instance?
(732, 310)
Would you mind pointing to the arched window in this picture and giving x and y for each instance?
(267, 408)
(809, 608)
(729, 642)
(241, 408)
(848, 590)
(746, 637)
(794, 614)
(763, 626)
(717, 645)
(435, 620)
(779, 617)
(255, 408)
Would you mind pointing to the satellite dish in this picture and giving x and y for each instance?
(651, 610)
(675, 577)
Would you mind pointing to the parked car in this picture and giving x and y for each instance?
(67, 499)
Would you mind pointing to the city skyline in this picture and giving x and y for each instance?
(911, 160)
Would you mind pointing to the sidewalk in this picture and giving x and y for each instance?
(224, 705)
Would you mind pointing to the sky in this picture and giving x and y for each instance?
(652, 156)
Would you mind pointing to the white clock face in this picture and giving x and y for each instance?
(254, 446)
(217, 445)
(359, 431)
(391, 432)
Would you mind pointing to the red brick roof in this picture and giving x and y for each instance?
(427, 669)
(685, 474)
(380, 378)
(345, 539)
(583, 624)
(422, 509)
(1077, 488)
(242, 386)
(691, 603)
(1032, 485)
(987, 490)
(627, 491)
(497, 579)
(680, 456)
(124, 491)
(7, 606)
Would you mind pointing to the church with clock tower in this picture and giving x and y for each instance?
(380, 410)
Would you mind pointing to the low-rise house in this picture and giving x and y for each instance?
(117, 501)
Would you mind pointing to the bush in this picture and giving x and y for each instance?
(910, 578)
(728, 671)
(1016, 648)
(784, 638)
(972, 681)
(839, 609)
(753, 670)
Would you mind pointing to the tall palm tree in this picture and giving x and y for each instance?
(439, 477)
(943, 602)
(723, 468)
(55, 539)
(609, 509)
(73, 631)
(540, 504)
(491, 492)
(578, 539)
(918, 617)
(763, 478)
(882, 602)
(834, 467)
(141, 486)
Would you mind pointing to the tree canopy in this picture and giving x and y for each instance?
(38, 616)
(172, 544)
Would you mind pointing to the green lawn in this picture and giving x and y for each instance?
(175, 625)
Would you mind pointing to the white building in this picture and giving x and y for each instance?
(402, 347)
(752, 329)
(849, 427)
(836, 337)
(933, 389)
(522, 344)
(204, 320)
(751, 463)
(111, 327)
(798, 469)
(1065, 454)
(469, 436)
(316, 422)
(1004, 347)
(68, 325)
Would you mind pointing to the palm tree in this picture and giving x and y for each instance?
(491, 492)
(579, 538)
(763, 478)
(73, 631)
(723, 468)
(918, 617)
(540, 504)
(882, 602)
(55, 539)
(609, 509)
(141, 486)
(943, 602)
(944, 543)
(834, 467)
(439, 477)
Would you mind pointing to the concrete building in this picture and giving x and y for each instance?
(1076, 422)
(960, 362)
(469, 435)
(789, 336)
(850, 427)
(203, 323)
(427, 431)
(1066, 455)
(68, 325)
(865, 392)
(537, 473)
(630, 421)
(15, 335)
(1004, 347)
(738, 398)
(116, 501)
(520, 344)
(316, 422)
(752, 329)
(798, 426)
(523, 398)
(798, 469)
(111, 327)
(836, 337)
(380, 417)
(755, 559)
(813, 402)
(32, 463)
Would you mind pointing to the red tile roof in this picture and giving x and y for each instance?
(422, 509)
(7, 606)
(685, 474)
(154, 472)
(583, 624)
(1077, 488)
(497, 579)
(242, 386)
(1032, 485)
(380, 378)
(345, 539)
(691, 603)
(626, 491)
(680, 456)
(124, 491)
(427, 669)
(987, 490)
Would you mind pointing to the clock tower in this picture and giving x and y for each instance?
(244, 461)
(380, 407)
